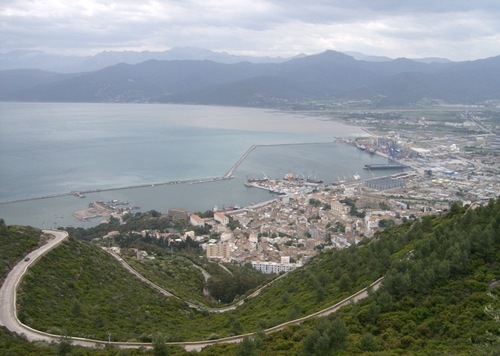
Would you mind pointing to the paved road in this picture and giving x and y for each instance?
(8, 314)
(138, 275)
(191, 305)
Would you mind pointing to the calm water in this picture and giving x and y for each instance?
(58, 148)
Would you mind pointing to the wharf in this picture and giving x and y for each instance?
(384, 166)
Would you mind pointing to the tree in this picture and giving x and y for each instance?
(384, 206)
(3, 228)
(492, 310)
(386, 223)
(315, 202)
(246, 348)
(338, 334)
(328, 337)
(160, 347)
(368, 342)
(345, 283)
(64, 347)
(233, 224)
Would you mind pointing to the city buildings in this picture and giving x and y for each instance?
(220, 251)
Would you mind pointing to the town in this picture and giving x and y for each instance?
(439, 163)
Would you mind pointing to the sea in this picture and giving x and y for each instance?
(126, 152)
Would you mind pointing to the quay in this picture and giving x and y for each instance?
(384, 166)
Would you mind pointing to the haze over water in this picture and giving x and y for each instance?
(55, 148)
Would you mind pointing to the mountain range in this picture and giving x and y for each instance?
(328, 77)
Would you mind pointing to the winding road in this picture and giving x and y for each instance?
(8, 313)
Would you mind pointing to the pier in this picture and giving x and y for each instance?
(229, 173)
(82, 193)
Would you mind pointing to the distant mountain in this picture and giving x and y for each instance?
(369, 58)
(366, 57)
(71, 64)
(328, 76)
(465, 82)
(17, 80)
(40, 60)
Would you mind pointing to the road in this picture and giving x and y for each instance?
(138, 275)
(8, 313)
(191, 305)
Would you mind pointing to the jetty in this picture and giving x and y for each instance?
(229, 173)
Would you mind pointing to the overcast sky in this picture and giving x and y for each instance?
(454, 29)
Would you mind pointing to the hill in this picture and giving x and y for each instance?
(26, 59)
(440, 296)
(437, 296)
(326, 77)
(16, 242)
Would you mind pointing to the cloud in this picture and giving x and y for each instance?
(456, 29)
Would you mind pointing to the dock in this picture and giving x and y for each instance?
(229, 173)
(384, 166)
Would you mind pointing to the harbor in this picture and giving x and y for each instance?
(317, 161)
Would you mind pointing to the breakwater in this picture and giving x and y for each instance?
(81, 193)
(228, 175)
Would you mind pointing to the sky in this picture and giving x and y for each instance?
(453, 29)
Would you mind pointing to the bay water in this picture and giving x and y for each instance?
(51, 149)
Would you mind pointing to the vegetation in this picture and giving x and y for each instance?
(176, 273)
(96, 297)
(133, 222)
(14, 345)
(437, 297)
(182, 275)
(16, 242)
(226, 287)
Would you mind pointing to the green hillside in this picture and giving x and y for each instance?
(15, 243)
(438, 296)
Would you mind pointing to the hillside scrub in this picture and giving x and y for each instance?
(16, 242)
(437, 271)
(437, 297)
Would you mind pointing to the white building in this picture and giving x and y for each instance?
(195, 220)
(275, 267)
(253, 237)
(221, 218)
(226, 236)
